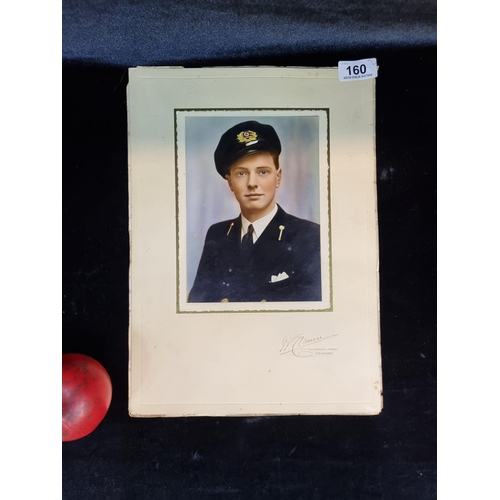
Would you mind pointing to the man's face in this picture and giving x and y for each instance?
(254, 180)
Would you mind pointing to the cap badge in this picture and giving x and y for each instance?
(247, 136)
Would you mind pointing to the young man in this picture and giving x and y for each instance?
(265, 254)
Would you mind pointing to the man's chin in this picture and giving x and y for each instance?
(255, 204)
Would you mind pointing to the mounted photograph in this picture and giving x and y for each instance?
(253, 243)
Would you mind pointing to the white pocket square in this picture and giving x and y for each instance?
(281, 276)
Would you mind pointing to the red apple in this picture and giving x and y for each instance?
(86, 395)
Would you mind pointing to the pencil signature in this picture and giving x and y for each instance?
(298, 346)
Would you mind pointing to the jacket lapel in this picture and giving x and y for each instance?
(231, 240)
(270, 248)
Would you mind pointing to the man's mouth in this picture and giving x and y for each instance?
(253, 195)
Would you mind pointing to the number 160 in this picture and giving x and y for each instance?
(356, 70)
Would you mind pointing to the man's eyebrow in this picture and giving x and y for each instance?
(246, 169)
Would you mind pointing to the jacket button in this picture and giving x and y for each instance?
(224, 300)
(263, 300)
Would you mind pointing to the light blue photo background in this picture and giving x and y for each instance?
(208, 197)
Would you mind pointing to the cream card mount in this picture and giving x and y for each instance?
(283, 320)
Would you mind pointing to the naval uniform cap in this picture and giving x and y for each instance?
(244, 139)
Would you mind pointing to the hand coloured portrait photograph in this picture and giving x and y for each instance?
(253, 216)
(253, 243)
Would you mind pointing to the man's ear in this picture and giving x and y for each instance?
(228, 179)
(278, 178)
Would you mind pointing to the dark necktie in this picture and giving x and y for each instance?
(247, 240)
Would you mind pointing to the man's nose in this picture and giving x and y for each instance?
(252, 179)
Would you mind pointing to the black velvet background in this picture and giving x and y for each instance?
(392, 455)
(149, 32)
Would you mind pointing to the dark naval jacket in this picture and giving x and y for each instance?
(283, 264)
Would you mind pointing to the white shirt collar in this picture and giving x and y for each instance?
(259, 225)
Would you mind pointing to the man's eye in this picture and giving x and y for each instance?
(240, 174)
(263, 172)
